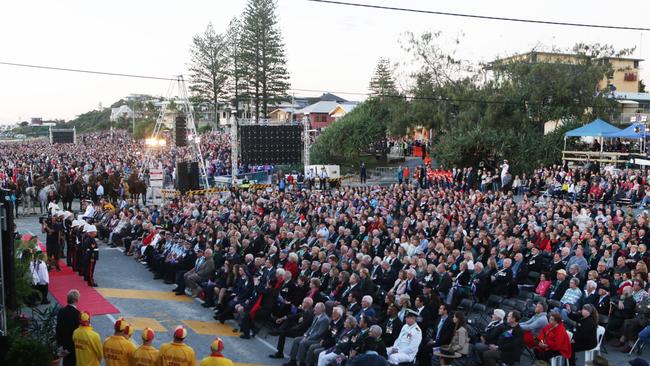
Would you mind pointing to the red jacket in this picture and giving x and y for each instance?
(293, 268)
(557, 339)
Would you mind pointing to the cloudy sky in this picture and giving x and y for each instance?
(329, 47)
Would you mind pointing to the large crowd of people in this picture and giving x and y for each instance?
(441, 268)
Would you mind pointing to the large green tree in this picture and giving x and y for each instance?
(263, 55)
(382, 82)
(209, 68)
(237, 66)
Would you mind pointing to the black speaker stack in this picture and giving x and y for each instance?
(182, 177)
(63, 137)
(180, 128)
(265, 144)
(187, 176)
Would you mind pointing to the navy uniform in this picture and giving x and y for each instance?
(91, 254)
(407, 343)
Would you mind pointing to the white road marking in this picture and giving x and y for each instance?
(111, 318)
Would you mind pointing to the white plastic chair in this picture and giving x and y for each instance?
(600, 334)
(559, 360)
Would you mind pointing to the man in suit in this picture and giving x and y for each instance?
(313, 335)
(293, 325)
(203, 268)
(510, 344)
(67, 320)
(442, 333)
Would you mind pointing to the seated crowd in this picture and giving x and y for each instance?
(402, 274)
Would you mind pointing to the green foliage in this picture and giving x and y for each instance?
(91, 121)
(143, 129)
(209, 68)
(27, 351)
(42, 327)
(263, 55)
(383, 82)
(344, 139)
(204, 129)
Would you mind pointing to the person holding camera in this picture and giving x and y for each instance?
(52, 226)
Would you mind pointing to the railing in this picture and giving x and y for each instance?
(601, 157)
(385, 171)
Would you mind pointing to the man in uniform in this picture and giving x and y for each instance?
(216, 357)
(87, 345)
(406, 345)
(79, 252)
(117, 348)
(91, 254)
(146, 354)
(53, 228)
(176, 353)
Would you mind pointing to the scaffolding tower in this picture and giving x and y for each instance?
(193, 138)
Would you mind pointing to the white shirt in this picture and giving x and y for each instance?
(409, 340)
(100, 190)
(90, 211)
(39, 272)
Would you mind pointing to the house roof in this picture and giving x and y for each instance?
(346, 107)
(320, 107)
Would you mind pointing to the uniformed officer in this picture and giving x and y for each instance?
(87, 345)
(117, 348)
(406, 345)
(91, 254)
(79, 252)
(73, 244)
(146, 354)
(216, 358)
(177, 353)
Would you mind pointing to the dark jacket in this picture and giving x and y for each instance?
(67, 320)
(446, 333)
(391, 329)
(302, 321)
(584, 335)
(493, 332)
(336, 327)
(511, 345)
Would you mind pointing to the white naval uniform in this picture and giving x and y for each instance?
(407, 345)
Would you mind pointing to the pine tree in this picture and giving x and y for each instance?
(263, 55)
(382, 82)
(237, 70)
(209, 68)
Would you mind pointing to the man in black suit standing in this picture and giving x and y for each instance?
(67, 320)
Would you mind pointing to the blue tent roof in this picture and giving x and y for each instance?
(629, 132)
(597, 128)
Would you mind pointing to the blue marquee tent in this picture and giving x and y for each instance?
(597, 128)
(629, 132)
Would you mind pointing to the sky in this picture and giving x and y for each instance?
(328, 47)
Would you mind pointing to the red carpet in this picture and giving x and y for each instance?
(90, 300)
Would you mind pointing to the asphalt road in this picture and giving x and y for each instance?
(146, 302)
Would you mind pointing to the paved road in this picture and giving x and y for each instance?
(146, 302)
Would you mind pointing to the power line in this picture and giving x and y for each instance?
(86, 71)
(390, 96)
(483, 17)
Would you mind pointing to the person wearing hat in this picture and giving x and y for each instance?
(492, 332)
(603, 302)
(407, 343)
(176, 352)
(87, 344)
(53, 229)
(560, 285)
(91, 254)
(146, 354)
(72, 244)
(118, 348)
(216, 357)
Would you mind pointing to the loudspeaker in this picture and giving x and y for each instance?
(194, 176)
(181, 131)
(182, 177)
(7, 240)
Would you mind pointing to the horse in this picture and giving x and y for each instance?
(137, 188)
(29, 197)
(67, 195)
(44, 195)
